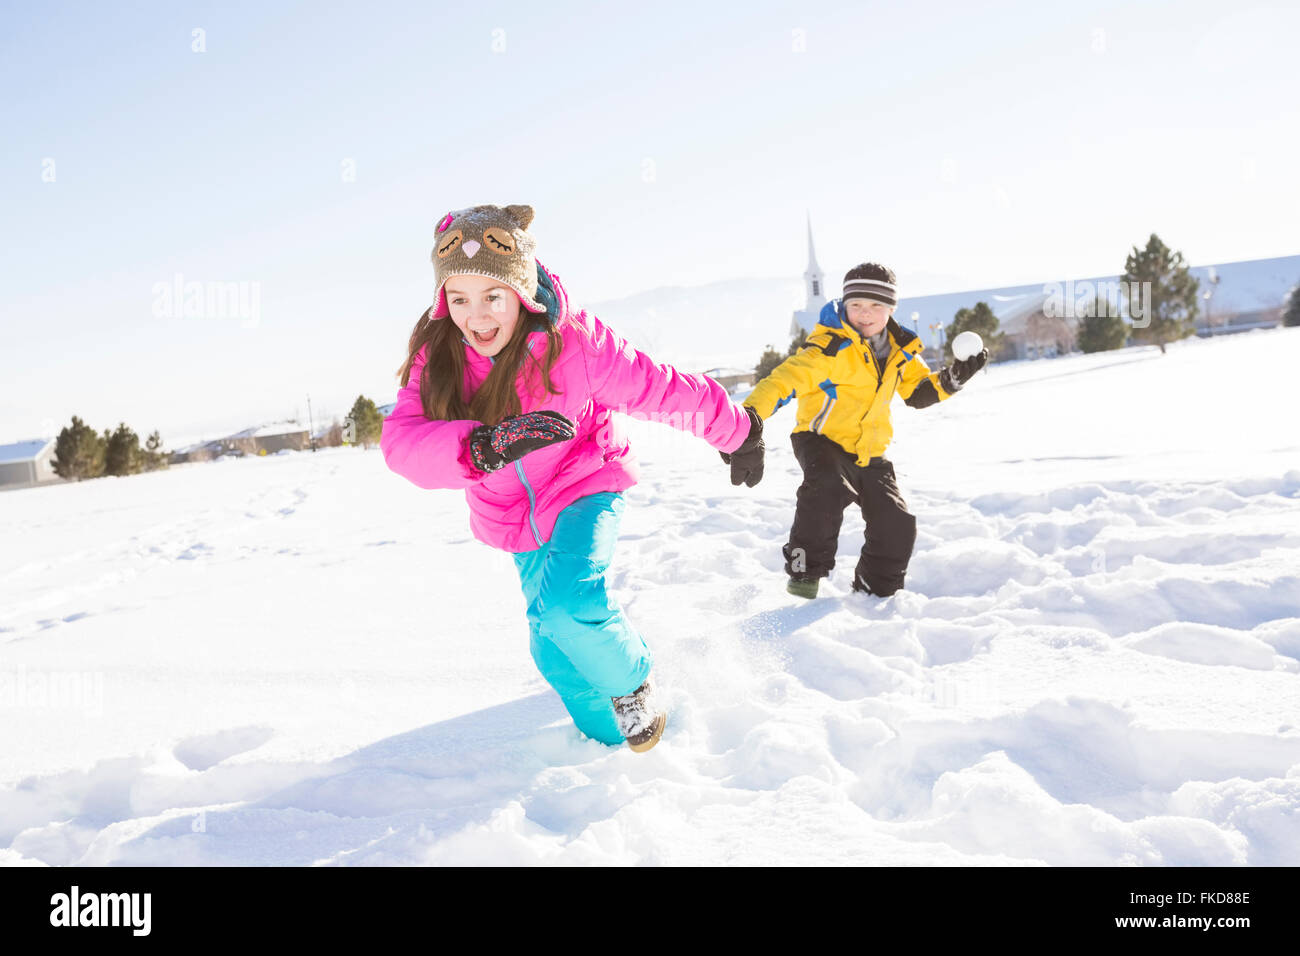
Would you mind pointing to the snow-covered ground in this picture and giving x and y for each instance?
(304, 659)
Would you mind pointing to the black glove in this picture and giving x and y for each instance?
(747, 461)
(492, 446)
(962, 371)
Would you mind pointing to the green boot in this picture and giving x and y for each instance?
(803, 589)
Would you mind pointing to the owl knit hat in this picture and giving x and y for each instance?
(490, 241)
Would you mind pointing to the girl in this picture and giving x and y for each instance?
(507, 392)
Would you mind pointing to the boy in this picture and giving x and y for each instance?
(844, 378)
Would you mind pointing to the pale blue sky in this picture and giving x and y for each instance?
(666, 143)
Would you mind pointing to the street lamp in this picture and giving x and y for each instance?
(1212, 276)
(937, 329)
(311, 426)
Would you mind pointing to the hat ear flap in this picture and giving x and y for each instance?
(440, 309)
(522, 213)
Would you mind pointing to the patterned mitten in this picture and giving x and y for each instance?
(493, 446)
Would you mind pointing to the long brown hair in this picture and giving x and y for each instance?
(443, 377)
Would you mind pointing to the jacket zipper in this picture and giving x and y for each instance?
(879, 368)
(875, 365)
(532, 500)
(519, 470)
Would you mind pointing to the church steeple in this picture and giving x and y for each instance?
(815, 289)
(813, 276)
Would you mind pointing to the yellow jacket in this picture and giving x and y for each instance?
(842, 390)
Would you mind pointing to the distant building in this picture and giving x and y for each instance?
(199, 451)
(24, 464)
(1032, 333)
(1239, 296)
(729, 378)
(259, 440)
(804, 319)
(268, 439)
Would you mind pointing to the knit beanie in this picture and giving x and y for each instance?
(489, 241)
(870, 280)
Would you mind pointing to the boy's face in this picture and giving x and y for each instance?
(485, 311)
(867, 315)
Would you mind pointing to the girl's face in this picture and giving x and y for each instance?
(485, 311)
(867, 315)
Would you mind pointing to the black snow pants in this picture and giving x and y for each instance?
(832, 479)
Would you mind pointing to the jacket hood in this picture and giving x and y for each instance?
(552, 294)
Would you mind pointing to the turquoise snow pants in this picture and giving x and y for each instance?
(580, 640)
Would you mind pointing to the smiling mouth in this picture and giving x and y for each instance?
(486, 338)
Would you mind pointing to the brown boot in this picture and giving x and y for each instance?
(639, 720)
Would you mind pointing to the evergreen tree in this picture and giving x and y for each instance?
(1292, 314)
(982, 322)
(1173, 305)
(122, 453)
(1101, 331)
(367, 422)
(78, 452)
(770, 359)
(154, 456)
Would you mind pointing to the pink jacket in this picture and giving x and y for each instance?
(598, 373)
